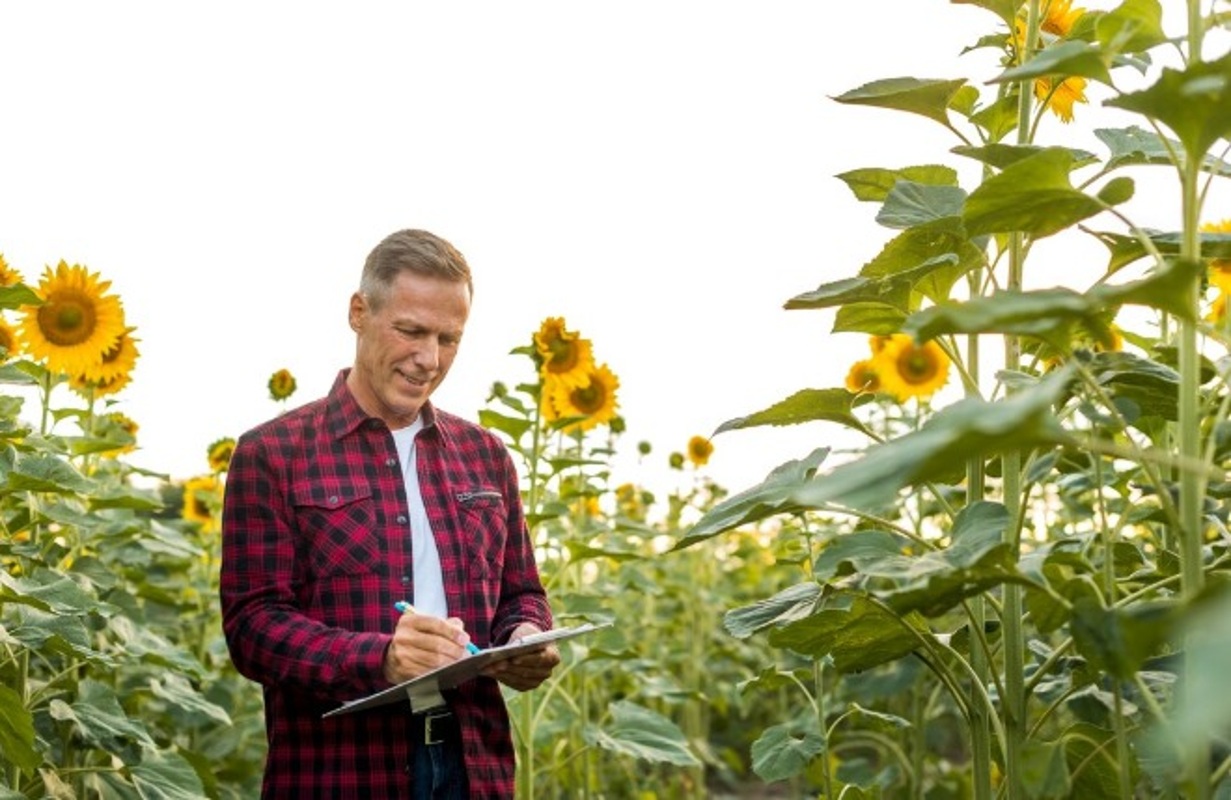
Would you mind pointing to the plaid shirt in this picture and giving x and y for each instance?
(316, 550)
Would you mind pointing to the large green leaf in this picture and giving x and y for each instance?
(970, 429)
(1002, 156)
(873, 183)
(771, 497)
(927, 245)
(1166, 289)
(806, 405)
(186, 700)
(870, 318)
(640, 733)
(166, 775)
(99, 719)
(1118, 641)
(893, 290)
(1044, 770)
(1135, 146)
(1064, 59)
(1132, 27)
(854, 630)
(1049, 314)
(17, 731)
(1195, 103)
(928, 97)
(909, 204)
(18, 295)
(785, 751)
(46, 473)
(1032, 195)
(790, 604)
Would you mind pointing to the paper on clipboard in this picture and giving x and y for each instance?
(424, 692)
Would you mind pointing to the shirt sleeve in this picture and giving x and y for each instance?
(270, 637)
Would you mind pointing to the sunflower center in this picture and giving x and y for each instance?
(67, 318)
(564, 355)
(916, 366)
(589, 400)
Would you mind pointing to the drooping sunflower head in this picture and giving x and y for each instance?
(699, 450)
(565, 356)
(77, 322)
(594, 403)
(907, 369)
(282, 384)
(101, 388)
(219, 454)
(202, 499)
(118, 426)
(10, 342)
(862, 377)
(1061, 97)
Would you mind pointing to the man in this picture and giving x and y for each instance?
(368, 497)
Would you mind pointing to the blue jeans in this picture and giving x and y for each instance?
(440, 770)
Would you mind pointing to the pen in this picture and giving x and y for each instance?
(406, 608)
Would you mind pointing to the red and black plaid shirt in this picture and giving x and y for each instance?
(316, 550)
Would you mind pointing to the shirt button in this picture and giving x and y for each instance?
(405, 579)
(333, 499)
(391, 462)
(401, 519)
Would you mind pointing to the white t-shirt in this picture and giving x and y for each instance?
(429, 581)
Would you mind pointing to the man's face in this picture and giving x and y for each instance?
(404, 349)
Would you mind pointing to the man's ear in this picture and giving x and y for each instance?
(358, 309)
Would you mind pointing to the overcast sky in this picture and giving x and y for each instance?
(660, 174)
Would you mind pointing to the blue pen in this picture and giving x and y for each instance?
(404, 607)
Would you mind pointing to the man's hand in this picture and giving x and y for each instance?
(527, 671)
(422, 643)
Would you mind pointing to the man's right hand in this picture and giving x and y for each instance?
(422, 643)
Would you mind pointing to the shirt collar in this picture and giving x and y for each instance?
(343, 415)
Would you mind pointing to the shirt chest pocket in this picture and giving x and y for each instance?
(337, 529)
(485, 529)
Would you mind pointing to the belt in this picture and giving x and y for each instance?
(438, 726)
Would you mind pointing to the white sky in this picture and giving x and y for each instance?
(660, 174)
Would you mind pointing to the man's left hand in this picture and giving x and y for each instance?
(526, 671)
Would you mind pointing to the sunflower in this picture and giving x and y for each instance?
(119, 359)
(88, 388)
(10, 342)
(566, 357)
(282, 384)
(632, 502)
(1061, 99)
(219, 454)
(699, 450)
(909, 370)
(595, 402)
(1220, 268)
(76, 323)
(1218, 309)
(8, 275)
(1058, 20)
(202, 495)
(121, 427)
(862, 376)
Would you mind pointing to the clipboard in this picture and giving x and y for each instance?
(424, 692)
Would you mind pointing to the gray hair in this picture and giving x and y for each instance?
(411, 251)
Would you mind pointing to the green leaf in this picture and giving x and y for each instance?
(869, 318)
(855, 631)
(514, 427)
(1135, 146)
(767, 499)
(1117, 191)
(17, 731)
(968, 430)
(943, 243)
(928, 97)
(1001, 156)
(122, 495)
(1194, 103)
(848, 554)
(806, 405)
(166, 775)
(1118, 641)
(646, 735)
(99, 718)
(790, 604)
(1032, 195)
(1133, 27)
(46, 473)
(580, 551)
(998, 119)
(1064, 59)
(785, 751)
(892, 291)
(873, 183)
(184, 697)
(18, 295)
(909, 204)
(1044, 770)
(1166, 289)
(1049, 314)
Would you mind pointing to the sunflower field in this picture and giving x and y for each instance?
(1016, 586)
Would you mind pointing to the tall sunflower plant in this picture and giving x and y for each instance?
(1032, 546)
(105, 671)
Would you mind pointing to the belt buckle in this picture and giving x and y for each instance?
(428, 719)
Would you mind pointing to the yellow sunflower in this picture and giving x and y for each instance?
(202, 497)
(282, 384)
(9, 340)
(862, 377)
(567, 358)
(1218, 309)
(1061, 99)
(76, 323)
(595, 402)
(632, 502)
(122, 427)
(1058, 20)
(907, 370)
(88, 388)
(118, 360)
(219, 454)
(699, 450)
(1220, 268)
(8, 275)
